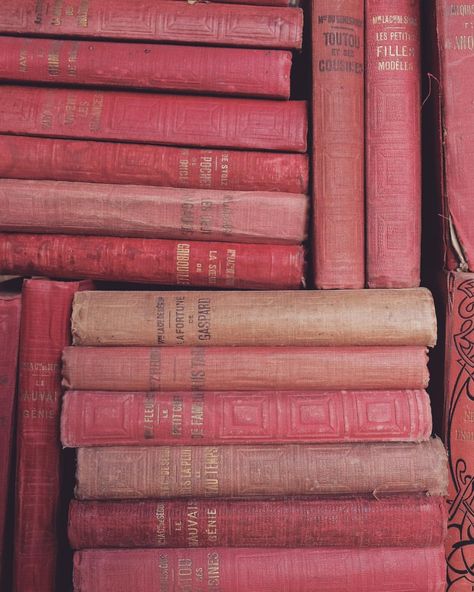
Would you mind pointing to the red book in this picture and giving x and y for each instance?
(338, 143)
(393, 143)
(10, 307)
(214, 70)
(454, 28)
(260, 570)
(153, 212)
(44, 333)
(388, 521)
(153, 261)
(458, 428)
(155, 20)
(154, 118)
(200, 368)
(261, 2)
(150, 419)
(22, 157)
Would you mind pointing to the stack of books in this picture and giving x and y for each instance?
(221, 431)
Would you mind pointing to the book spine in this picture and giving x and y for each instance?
(454, 26)
(393, 143)
(210, 122)
(244, 368)
(338, 143)
(154, 261)
(153, 212)
(10, 307)
(246, 471)
(156, 20)
(392, 521)
(22, 157)
(262, 2)
(44, 332)
(305, 318)
(256, 72)
(246, 570)
(150, 419)
(458, 431)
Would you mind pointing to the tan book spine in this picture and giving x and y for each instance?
(306, 318)
(254, 471)
(244, 368)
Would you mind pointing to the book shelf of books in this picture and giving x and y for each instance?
(211, 309)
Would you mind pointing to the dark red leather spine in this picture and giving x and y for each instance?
(22, 157)
(216, 70)
(153, 261)
(390, 521)
(393, 143)
(44, 333)
(210, 122)
(338, 142)
(252, 570)
(10, 308)
(153, 212)
(150, 419)
(155, 20)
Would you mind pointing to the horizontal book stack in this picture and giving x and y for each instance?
(253, 441)
(174, 159)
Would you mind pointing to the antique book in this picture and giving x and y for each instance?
(46, 308)
(305, 318)
(10, 309)
(338, 143)
(260, 570)
(393, 143)
(215, 70)
(454, 29)
(246, 471)
(198, 368)
(154, 261)
(458, 427)
(150, 419)
(57, 159)
(153, 118)
(389, 521)
(155, 20)
(153, 212)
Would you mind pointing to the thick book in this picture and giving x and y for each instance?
(338, 142)
(215, 70)
(305, 318)
(46, 308)
(153, 212)
(454, 29)
(10, 309)
(245, 471)
(205, 418)
(393, 143)
(458, 427)
(260, 570)
(155, 20)
(244, 368)
(152, 118)
(57, 159)
(154, 261)
(389, 521)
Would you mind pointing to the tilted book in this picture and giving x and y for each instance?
(57, 159)
(153, 212)
(154, 261)
(155, 20)
(210, 122)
